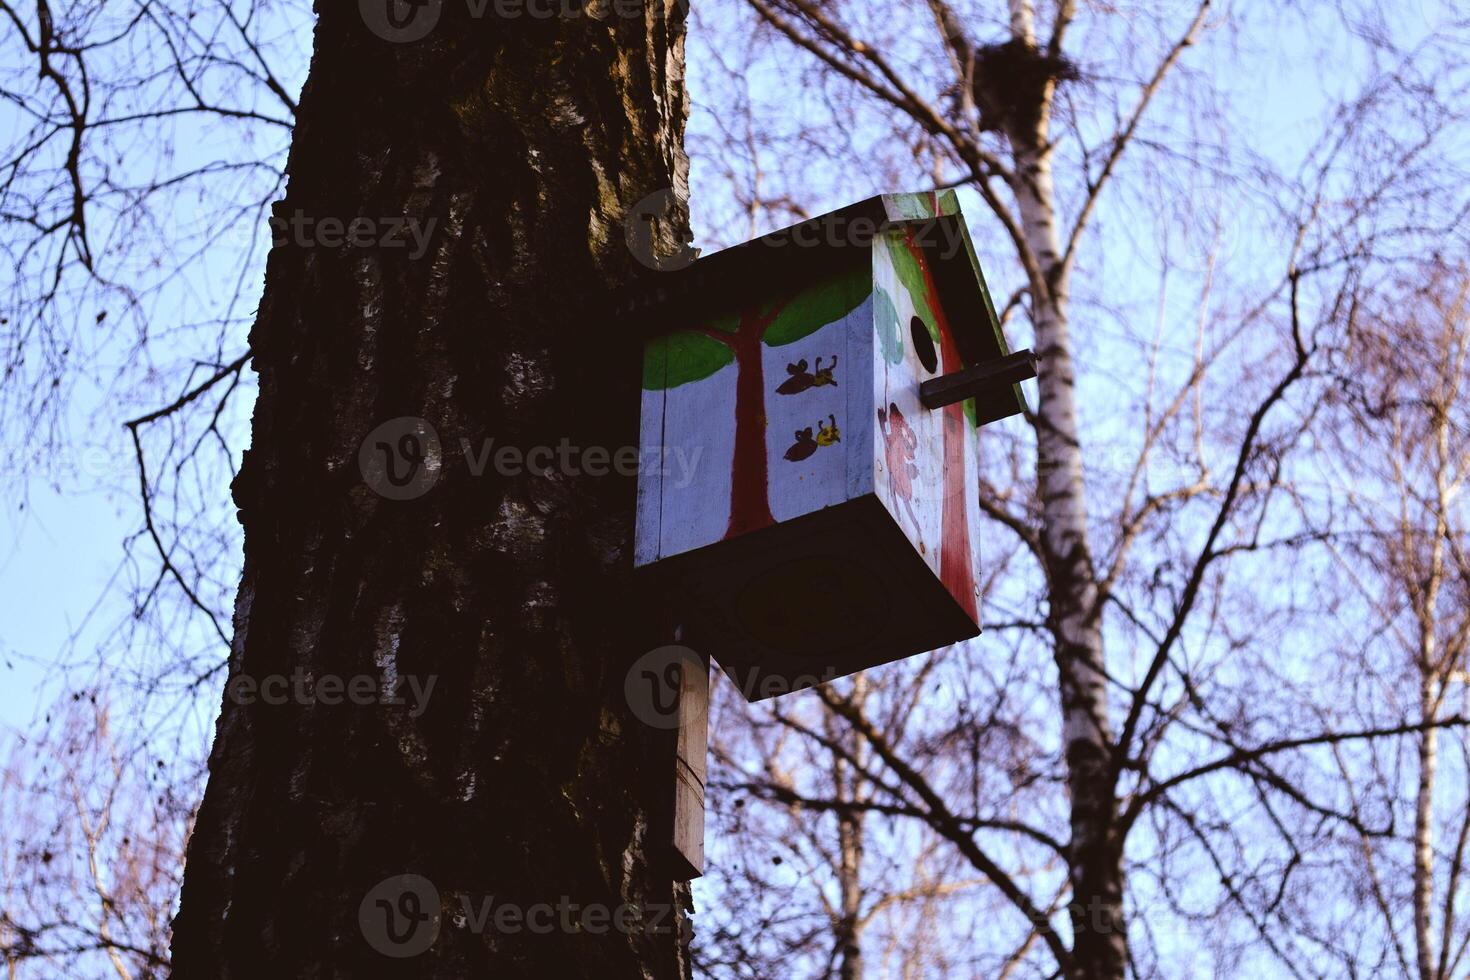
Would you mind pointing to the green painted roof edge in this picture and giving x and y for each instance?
(918, 205)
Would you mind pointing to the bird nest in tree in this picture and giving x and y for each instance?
(1012, 80)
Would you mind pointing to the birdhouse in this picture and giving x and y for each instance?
(808, 494)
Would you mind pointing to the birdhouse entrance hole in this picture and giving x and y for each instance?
(924, 345)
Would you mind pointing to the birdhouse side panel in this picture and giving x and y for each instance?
(925, 459)
(747, 412)
(684, 486)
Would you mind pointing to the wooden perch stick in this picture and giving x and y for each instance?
(980, 380)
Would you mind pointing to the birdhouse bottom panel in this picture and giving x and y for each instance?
(819, 597)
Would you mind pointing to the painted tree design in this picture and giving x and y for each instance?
(956, 562)
(698, 352)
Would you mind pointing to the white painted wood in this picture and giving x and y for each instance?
(695, 458)
(820, 480)
(918, 512)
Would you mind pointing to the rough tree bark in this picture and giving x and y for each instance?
(527, 779)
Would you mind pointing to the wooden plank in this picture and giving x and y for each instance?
(690, 766)
(980, 380)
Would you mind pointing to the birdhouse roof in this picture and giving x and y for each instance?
(831, 243)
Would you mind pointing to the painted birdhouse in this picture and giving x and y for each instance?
(808, 496)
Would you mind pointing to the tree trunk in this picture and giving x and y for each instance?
(845, 783)
(1431, 669)
(519, 787)
(1095, 850)
(1424, 832)
(849, 928)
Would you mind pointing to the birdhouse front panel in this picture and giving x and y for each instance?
(760, 416)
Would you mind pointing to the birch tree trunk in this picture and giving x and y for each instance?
(1425, 598)
(1415, 357)
(1095, 851)
(1424, 834)
(520, 778)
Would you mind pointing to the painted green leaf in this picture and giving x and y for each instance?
(885, 318)
(682, 357)
(821, 303)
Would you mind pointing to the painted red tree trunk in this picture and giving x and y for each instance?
(956, 562)
(750, 500)
(750, 503)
